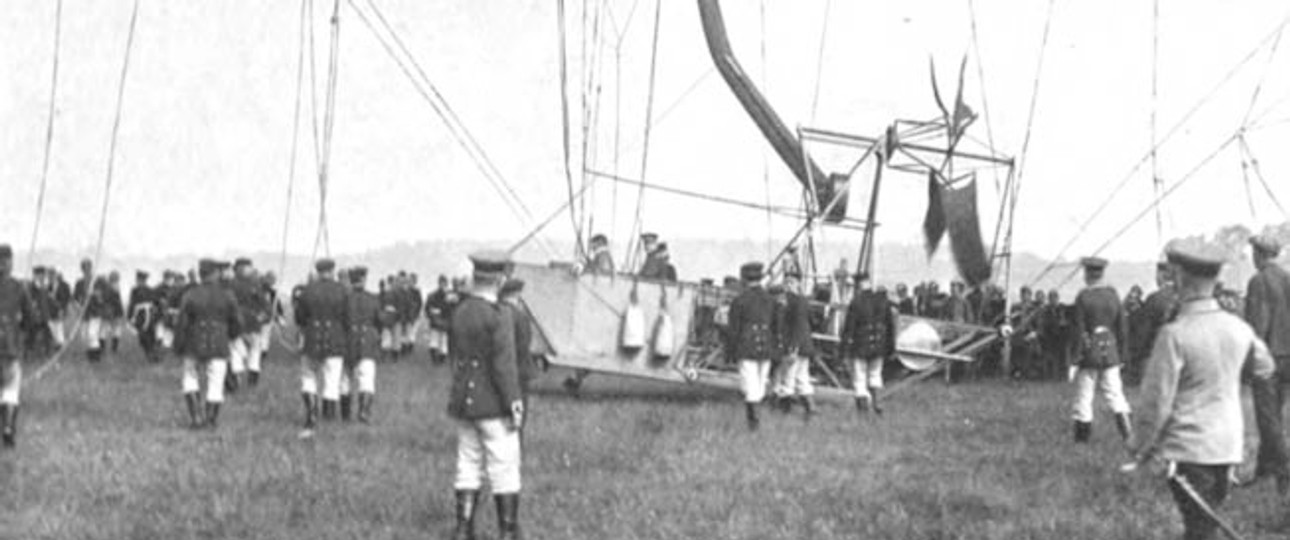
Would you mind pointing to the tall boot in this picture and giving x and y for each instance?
(1125, 425)
(365, 407)
(328, 409)
(4, 421)
(9, 435)
(750, 410)
(874, 400)
(232, 382)
(808, 405)
(508, 516)
(194, 402)
(467, 502)
(253, 379)
(212, 415)
(116, 343)
(93, 355)
(345, 407)
(311, 410)
(862, 404)
(1082, 431)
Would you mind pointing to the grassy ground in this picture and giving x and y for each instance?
(104, 454)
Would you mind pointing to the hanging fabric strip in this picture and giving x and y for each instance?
(964, 226)
(934, 221)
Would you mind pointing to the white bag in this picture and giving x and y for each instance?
(664, 336)
(633, 329)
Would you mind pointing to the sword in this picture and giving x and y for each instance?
(1186, 487)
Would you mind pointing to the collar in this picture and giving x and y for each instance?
(485, 295)
(1198, 305)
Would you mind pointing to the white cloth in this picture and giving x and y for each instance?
(260, 342)
(410, 332)
(94, 333)
(866, 374)
(438, 340)
(389, 339)
(165, 336)
(754, 376)
(365, 372)
(56, 329)
(215, 369)
(1102, 381)
(238, 351)
(488, 450)
(10, 382)
(327, 371)
(793, 377)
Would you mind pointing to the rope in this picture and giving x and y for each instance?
(329, 123)
(107, 196)
(1168, 135)
(564, 127)
(461, 134)
(980, 70)
(765, 162)
(1258, 173)
(819, 60)
(1156, 182)
(49, 134)
(649, 114)
(295, 136)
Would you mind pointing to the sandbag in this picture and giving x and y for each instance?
(632, 338)
(663, 341)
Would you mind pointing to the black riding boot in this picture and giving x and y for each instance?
(4, 423)
(212, 415)
(750, 410)
(345, 407)
(862, 405)
(1082, 431)
(116, 343)
(1125, 425)
(365, 407)
(253, 379)
(808, 405)
(508, 515)
(311, 410)
(194, 403)
(328, 409)
(10, 432)
(467, 501)
(873, 392)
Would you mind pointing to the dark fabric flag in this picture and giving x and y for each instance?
(964, 226)
(934, 221)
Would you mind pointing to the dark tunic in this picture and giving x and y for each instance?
(750, 333)
(208, 319)
(795, 326)
(869, 331)
(1102, 326)
(363, 313)
(320, 316)
(485, 374)
(15, 318)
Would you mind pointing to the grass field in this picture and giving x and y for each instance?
(104, 454)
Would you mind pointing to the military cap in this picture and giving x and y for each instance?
(241, 261)
(512, 286)
(490, 264)
(661, 248)
(751, 271)
(598, 239)
(207, 266)
(1162, 266)
(649, 236)
(776, 289)
(1196, 257)
(6, 252)
(357, 274)
(39, 271)
(864, 276)
(791, 248)
(325, 265)
(141, 274)
(1265, 244)
(1093, 263)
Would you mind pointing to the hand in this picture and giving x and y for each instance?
(517, 414)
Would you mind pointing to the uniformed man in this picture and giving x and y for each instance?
(114, 318)
(793, 378)
(659, 265)
(365, 320)
(38, 335)
(321, 319)
(88, 294)
(391, 305)
(415, 303)
(208, 319)
(1267, 309)
(751, 338)
(486, 401)
(512, 301)
(649, 263)
(436, 307)
(599, 259)
(1101, 326)
(248, 348)
(15, 321)
(144, 315)
(904, 302)
(1190, 413)
(1156, 310)
(868, 339)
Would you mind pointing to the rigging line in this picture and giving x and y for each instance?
(819, 61)
(1165, 195)
(618, 122)
(1258, 173)
(295, 136)
(980, 70)
(564, 126)
(765, 162)
(1168, 135)
(1245, 178)
(1258, 89)
(649, 113)
(49, 134)
(782, 210)
(459, 126)
(313, 89)
(627, 23)
(1156, 182)
(107, 190)
(1015, 182)
(591, 124)
(329, 119)
(460, 134)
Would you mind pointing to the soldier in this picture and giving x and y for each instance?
(1156, 310)
(659, 265)
(321, 318)
(208, 318)
(114, 316)
(868, 339)
(436, 307)
(1191, 402)
(751, 338)
(511, 301)
(249, 291)
(62, 293)
(1267, 309)
(648, 242)
(1101, 326)
(143, 315)
(15, 322)
(39, 335)
(365, 320)
(165, 311)
(390, 304)
(904, 303)
(600, 260)
(793, 378)
(486, 401)
(88, 295)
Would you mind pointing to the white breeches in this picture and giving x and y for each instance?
(95, 332)
(1102, 381)
(56, 330)
(363, 379)
(866, 374)
(261, 341)
(165, 336)
(488, 450)
(754, 376)
(247, 351)
(10, 381)
(390, 338)
(408, 331)
(793, 377)
(215, 370)
(438, 340)
(311, 371)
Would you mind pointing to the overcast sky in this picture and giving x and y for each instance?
(202, 160)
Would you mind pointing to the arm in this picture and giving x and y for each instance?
(893, 328)
(1260, 362)
(1159, 388)
(504, 367)
(1258, 310)
(734, 328)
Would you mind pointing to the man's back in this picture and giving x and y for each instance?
(1267, 307)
